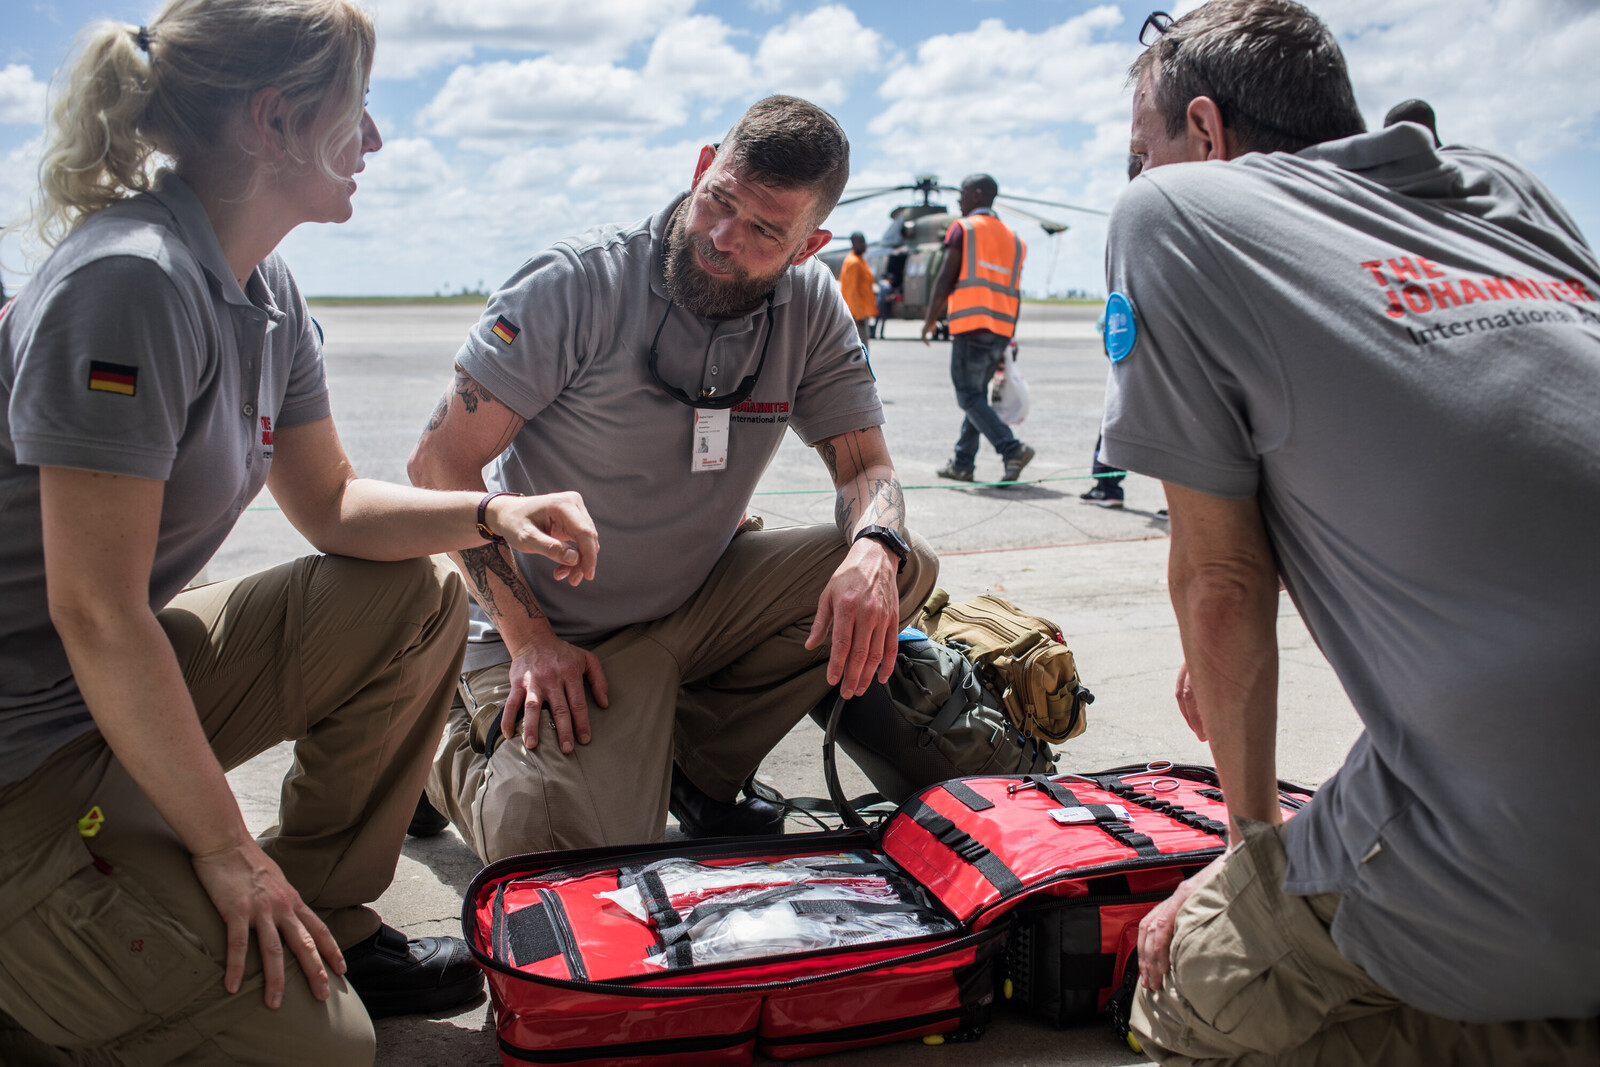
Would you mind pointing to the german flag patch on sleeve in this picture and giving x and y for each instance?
(505, 330)
(113, 377)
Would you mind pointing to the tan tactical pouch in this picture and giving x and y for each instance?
(1021, 658)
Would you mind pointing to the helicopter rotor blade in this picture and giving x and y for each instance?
(1053, 203)
(870, 193)
(1050, 226)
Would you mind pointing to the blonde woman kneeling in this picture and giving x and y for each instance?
(158, 370)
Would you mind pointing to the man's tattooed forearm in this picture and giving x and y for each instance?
(479, 563)
(830, 456)
(887, 505)
(844, 509)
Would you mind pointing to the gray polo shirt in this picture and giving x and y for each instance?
(581, 316)
(133, 351)
(1397, 350)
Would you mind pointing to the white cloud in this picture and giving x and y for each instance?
(22, 98)
(1513, 75)
(426, 221)
(1044, 112)
(546, 99)
(693, 57)
(408, 166)
(816, 54)
(418, 35)
(996, 79)
(19, 177)
(693, 67)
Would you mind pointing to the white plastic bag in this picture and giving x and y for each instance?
(1009, 395)
(689, 884)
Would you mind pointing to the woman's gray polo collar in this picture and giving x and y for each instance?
(194, 227)
(658, 282)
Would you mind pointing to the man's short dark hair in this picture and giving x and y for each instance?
(789, 143)
(1272, 67)
(984, 186)
(1418, 111)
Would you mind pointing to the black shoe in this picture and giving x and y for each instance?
(699, 815)
(1014, 465)
(427, 821)
(1105, 496)
(395, 976)
(954, 473)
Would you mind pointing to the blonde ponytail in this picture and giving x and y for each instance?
(134, 95)
(96, 153)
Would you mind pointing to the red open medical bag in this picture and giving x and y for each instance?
(702, 954)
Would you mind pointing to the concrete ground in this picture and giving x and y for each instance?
(1100, 574)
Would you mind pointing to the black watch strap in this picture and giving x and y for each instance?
(889, 539)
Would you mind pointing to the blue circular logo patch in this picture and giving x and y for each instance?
(1122, 328)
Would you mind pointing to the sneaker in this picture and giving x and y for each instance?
(397, 976)
(1014, 465)
(954, 473)
(1104, 496)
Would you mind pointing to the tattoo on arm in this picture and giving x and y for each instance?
(887, 505)
(885, 501)
(479, 563)
(830, 456)
(844, 509)
(437, 418)
(471, 393)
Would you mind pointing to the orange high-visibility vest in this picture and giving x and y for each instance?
(986, 296)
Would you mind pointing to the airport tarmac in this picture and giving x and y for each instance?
(1100, 574)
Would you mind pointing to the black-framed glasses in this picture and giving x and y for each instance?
(707, 398)
(1156, 24)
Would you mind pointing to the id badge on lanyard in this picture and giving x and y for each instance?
(708, 445)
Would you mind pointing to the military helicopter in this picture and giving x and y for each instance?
(911, 251)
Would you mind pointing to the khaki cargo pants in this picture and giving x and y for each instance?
(110, 950)
(714, 685)
(1257, 980)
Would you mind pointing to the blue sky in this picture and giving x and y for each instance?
(512, 122)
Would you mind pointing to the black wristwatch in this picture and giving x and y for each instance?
(890, 540)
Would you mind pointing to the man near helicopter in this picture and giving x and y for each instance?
(857, 285)
(978, 286)
(1294, 305)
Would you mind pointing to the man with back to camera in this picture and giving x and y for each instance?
(978, 286)
(605, 363)
(1334, 348)
(855, 282)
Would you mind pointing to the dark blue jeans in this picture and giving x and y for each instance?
(974, 357)
(1100, 469)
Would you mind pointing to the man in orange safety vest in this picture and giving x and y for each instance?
(978, 286)
(858, 286)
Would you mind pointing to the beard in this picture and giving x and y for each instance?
(708, 296)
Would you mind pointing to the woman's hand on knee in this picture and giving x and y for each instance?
(252, 895)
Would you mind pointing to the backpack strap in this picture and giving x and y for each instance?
(830, 769)
(963, 844)
(949, 712)
(969, 796)
(1192, 819)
